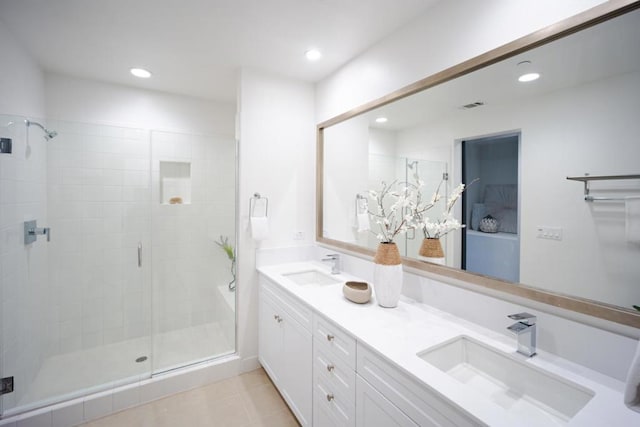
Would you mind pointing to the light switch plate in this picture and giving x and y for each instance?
(551, 233)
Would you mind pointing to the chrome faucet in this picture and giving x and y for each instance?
(335, 267)
(525, 330)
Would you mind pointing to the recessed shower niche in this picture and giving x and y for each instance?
(175, 183)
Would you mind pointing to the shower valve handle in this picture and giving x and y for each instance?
(45, 231)
(31, 232)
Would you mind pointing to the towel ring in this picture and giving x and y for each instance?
(253, 201)
(362, 204)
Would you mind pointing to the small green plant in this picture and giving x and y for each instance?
(231, 254)
(226, 247)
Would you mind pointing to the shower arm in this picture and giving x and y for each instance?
(48, 134)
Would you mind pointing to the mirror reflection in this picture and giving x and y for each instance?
(525, 222)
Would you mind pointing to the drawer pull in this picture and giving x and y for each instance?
(330, 368)
(329, 397)
(278, 318)
(330, 337)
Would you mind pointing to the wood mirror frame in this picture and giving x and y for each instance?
(484, 284)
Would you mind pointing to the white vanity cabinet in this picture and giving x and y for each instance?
(329, 379)
(285, 347)
(334, 376)
(374, 410)
(415, 401)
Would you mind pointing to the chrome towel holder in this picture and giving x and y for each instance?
(362, 204)
(587, 178)
(253, 202)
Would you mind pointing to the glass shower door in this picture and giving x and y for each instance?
(76, 309)
(193, 216)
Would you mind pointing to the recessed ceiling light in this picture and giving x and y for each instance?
(313, 54)
(526, 71)
(381, 120)
(141, 72)
(529, 77)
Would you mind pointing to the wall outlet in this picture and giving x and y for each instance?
(551, 233)
(298, 235)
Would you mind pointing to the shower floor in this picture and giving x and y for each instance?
(70, 375)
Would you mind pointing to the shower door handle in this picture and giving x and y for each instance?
(139, 254)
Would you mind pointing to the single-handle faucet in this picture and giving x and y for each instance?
(335, 258)
(525, 330)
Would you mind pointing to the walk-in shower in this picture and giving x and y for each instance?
(48, 134)
(132, 282)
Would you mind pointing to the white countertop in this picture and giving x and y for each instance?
(398, 334)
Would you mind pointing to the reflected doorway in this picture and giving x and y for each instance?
(491, 208)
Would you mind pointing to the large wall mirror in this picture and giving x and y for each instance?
(519, 141)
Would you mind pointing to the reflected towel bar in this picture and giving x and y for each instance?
(597, 199)
(587, 178)
(362, 204)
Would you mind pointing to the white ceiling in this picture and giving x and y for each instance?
(196, 47)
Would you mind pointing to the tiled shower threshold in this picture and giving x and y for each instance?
(71, 375)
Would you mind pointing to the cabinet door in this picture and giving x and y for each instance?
(270, 338)
(297, 369)
(374, 410)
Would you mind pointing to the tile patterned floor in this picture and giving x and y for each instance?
(248, 400)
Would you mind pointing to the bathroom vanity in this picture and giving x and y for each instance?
(337, 363)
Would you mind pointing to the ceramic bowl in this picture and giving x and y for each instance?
(358, 292)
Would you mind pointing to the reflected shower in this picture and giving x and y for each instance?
(48, 134)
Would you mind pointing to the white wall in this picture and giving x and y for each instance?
(21, 80)
(449, 33)
(86, 101)
(24, 292)
(277, 158)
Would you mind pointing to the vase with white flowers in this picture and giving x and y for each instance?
(434, 229)
(391, 205)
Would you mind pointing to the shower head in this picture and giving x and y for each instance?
(48, 134)
(412, 164)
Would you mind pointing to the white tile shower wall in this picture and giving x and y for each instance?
(188, 266)
(24, 292)
(98, 197)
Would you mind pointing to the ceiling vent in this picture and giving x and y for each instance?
(472, 105)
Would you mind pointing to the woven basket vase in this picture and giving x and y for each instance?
(387, 275)
(431, 248)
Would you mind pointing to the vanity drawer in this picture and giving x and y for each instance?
(331, 408)
(335, 373)
(296, 309)
(417, 401)
(334, 341)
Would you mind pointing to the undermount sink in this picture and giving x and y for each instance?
(311, 278)
(524, 390)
